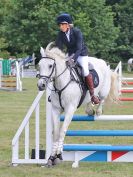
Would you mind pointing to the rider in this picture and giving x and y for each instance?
(72, 39)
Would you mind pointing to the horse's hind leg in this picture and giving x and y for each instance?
(89, 109)
(99, 109)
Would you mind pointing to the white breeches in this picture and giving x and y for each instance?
(83, 61)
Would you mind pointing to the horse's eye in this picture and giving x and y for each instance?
(50, 66)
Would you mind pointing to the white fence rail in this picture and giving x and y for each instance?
(25, 126)
(121, 78)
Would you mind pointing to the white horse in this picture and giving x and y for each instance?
(67, 93)
(130, 64)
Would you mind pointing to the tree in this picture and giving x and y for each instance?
(96, 23)
(103, 33)
(123, 19)
(4, 9)
(32, 24)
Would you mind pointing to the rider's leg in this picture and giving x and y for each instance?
(84, 63)
(89, 82)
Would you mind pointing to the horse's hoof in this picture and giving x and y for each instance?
(98, 113)
(49, 164)
(90, 112)
(57, 161)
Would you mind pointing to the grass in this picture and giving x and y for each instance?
(13, 107)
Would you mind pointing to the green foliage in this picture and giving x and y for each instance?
(21, 55)
(102, 34)
(3, 44)
(123, 19)
(4, 54)
(106, 25)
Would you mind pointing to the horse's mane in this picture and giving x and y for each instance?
(55, 53)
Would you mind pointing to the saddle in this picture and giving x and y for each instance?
(92, 71)
(81, 80)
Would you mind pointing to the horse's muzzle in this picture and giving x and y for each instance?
(41, 85)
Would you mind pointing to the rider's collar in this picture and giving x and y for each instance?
(68, 34)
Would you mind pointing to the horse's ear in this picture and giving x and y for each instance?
(42, 51)
(50, 46)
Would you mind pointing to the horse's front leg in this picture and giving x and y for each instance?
(56, 128)
(68, 117)
(99, 109)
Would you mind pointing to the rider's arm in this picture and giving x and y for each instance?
(79, 43)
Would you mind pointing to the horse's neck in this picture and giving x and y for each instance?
(62, 75)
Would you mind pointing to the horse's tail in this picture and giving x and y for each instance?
(113, 95)
(129, 67)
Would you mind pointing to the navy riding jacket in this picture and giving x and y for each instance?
(76, 44)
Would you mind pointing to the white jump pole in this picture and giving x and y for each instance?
(18, 81)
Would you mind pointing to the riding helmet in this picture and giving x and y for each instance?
(64, 18)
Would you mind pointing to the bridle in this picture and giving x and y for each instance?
(48, 79)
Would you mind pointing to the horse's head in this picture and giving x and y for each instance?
(46, 69)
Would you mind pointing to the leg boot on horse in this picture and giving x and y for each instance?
(89, 82)
(58, 159)
(54, 160)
